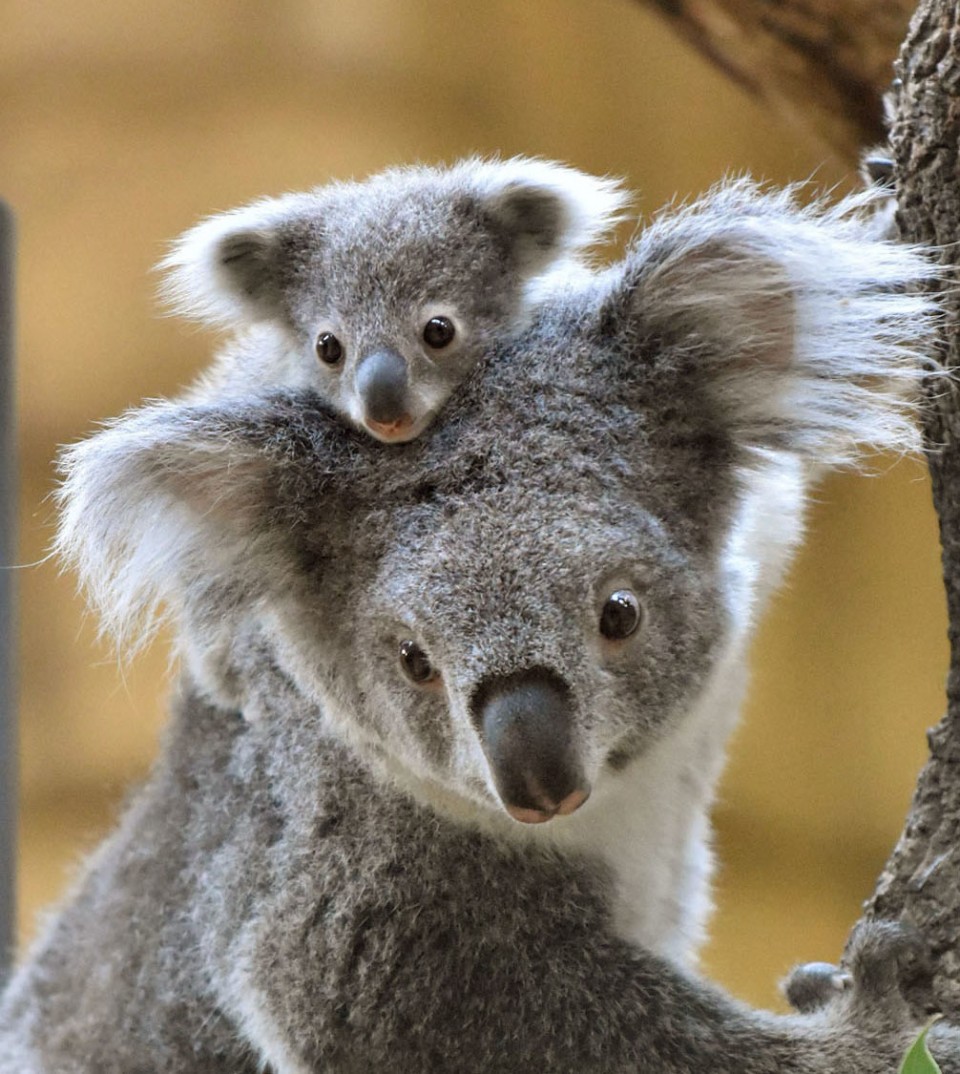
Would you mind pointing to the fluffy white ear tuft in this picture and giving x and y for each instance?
(812, 334)
(548, 209)
(225, 269)
(158, 500)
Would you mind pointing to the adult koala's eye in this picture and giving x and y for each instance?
(416, 666)
(438, 332)
(329, 349)
(620, 616)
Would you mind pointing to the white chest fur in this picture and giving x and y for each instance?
(650, 824)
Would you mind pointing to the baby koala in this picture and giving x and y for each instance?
(383, 294)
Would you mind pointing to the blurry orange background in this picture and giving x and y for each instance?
(122, 122)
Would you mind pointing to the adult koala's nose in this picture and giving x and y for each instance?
(525, 722)
(382, 384)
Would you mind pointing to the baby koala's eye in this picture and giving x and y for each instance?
(416, 665)
(438, 332)
(620, 615)
(329, 350)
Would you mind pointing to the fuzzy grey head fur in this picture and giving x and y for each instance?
(370, 263)
(324, 873)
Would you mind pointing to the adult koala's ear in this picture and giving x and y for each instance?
(810, 334)
(165, 498)
(544, 210)
(230, 267)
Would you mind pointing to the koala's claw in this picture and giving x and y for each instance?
(885, 959)
(878, 168)
(813, 985)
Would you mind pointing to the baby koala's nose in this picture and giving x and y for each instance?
(393, 432)
(382, 387)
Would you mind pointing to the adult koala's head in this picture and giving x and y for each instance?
(559, 576)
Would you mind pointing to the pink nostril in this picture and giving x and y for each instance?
(390, 430)
(573, 802)
(528, 816)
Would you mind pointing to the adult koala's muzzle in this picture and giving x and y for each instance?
(525, 721)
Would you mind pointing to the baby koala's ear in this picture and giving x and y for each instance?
(545, 210)
(229, 267)
(805, 332)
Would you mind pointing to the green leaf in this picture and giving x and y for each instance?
(918, 1059)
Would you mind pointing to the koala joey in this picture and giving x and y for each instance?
(435, 794)
(381, 295)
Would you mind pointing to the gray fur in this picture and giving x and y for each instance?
(320, 875)
(372, 262)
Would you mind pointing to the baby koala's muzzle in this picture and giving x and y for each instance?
(525, 722)
(382, 384)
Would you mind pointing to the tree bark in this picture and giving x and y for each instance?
(823, 64)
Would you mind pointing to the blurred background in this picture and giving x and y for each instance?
(122, 122)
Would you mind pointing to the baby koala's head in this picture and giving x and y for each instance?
(389, 290)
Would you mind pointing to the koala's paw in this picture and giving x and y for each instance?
(868, 1010)
(886, 960)
(813, 985)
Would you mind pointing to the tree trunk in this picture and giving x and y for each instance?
(824, 64)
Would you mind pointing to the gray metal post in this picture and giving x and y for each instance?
(8, 711)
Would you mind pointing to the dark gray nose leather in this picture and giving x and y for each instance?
(525, 724)
(382, 385)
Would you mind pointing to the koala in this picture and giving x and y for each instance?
(435, 795)
(381, 295)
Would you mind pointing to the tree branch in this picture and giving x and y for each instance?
(823, 64)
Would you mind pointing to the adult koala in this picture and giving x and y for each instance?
(435, 794)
